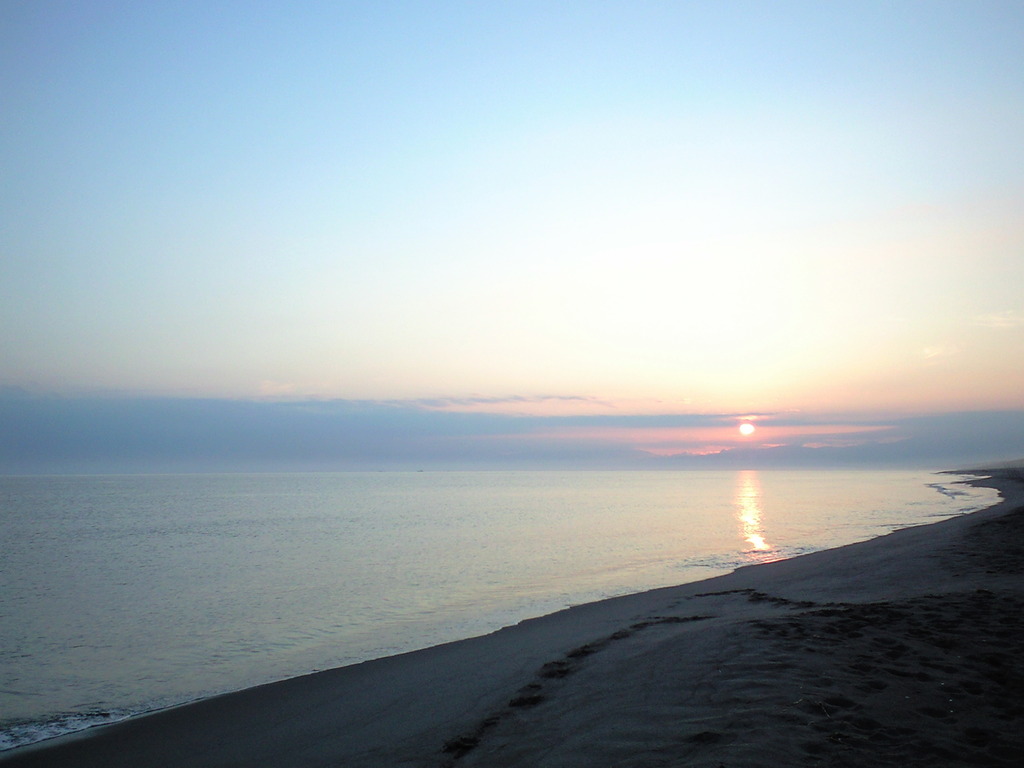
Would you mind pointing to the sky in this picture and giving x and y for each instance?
(397, 234)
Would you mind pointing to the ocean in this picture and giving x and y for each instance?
(122, 594)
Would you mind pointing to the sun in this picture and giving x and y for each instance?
(746, 429)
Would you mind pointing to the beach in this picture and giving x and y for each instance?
(902, 650)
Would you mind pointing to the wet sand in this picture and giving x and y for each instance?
(903, 650)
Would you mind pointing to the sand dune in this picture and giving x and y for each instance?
(904, 650)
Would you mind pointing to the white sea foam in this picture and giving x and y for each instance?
(19, 734)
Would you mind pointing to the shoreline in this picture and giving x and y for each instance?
(526, 692)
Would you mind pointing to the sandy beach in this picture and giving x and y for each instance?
(903, 650)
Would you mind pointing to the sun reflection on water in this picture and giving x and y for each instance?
(749, 515)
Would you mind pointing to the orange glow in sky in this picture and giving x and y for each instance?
(670, 441)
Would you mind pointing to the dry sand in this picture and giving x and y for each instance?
(904, 650)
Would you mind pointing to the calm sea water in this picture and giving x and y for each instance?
(123, 594)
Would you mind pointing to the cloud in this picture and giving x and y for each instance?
(1009, 318)
(122, 434)
(937, 352)
(708, 450)
(277, 388)
(696, 438)
(510, 404)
